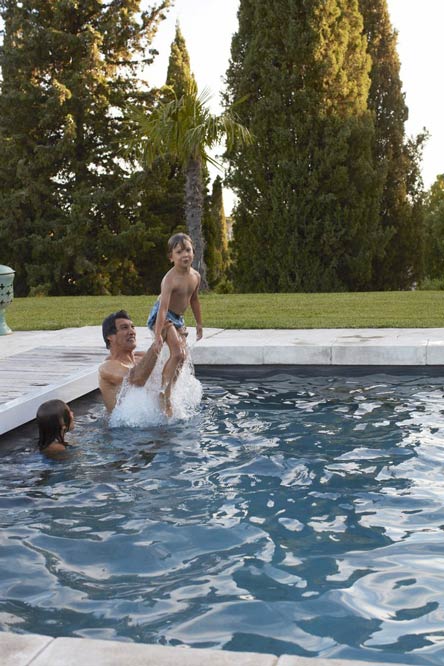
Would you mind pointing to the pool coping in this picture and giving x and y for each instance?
(39, 650)
(219, 347)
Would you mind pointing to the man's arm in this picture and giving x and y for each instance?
(140, 372)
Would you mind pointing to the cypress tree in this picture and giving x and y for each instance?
(307, 218)
(434, 230)
(69, 207)
(215, 230)
(179, 74)
(400, 209)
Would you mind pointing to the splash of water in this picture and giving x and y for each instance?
(139, 406)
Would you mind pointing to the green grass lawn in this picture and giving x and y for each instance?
(404, 309)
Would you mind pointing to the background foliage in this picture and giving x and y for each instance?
(330, 196)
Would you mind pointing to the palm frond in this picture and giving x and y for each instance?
(183, 129)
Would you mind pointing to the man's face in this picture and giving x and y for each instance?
(125, 336)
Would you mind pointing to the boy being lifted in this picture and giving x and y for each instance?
(179, 288)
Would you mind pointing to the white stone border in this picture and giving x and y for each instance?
(22, 410)
(36, 650)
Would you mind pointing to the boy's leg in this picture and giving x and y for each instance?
(176, 345)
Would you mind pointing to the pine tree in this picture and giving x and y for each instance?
(308, 189)
(215, 231)
(69, 207)
(26, 194)
(400, 209)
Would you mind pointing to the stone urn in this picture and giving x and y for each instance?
(6, 296)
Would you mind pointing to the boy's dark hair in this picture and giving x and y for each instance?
(51, 417)
(109, 324)
(178, 239)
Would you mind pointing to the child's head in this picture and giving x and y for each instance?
(54, 418)
(178, 240)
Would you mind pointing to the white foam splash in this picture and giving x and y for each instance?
(139, 406)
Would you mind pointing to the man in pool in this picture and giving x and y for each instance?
(119, 334)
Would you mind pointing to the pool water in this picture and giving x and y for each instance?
(292, 514)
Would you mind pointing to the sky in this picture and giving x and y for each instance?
(208, 26)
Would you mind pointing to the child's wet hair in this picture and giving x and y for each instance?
(53, 419)
(178, 239)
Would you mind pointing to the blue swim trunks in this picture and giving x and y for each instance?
(171, 316)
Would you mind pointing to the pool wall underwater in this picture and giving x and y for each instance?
(24, 648)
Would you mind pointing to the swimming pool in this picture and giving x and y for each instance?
(293, 514)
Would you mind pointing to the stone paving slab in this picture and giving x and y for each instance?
(323, 347)
(392, 346)
(27, 649)
(29, 378)
(21, 649)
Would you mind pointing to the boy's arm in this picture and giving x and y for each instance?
(165, 295)
(195, 307)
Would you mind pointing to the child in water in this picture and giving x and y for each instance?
(179, 288)
(54, 419)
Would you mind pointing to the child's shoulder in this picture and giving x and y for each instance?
(195, 274)
(169, 275)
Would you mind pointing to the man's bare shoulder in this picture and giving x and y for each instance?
(113, 368)
(107, 364)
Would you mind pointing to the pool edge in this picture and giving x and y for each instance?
(39, 650)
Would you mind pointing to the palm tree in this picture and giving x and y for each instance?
(185, 130)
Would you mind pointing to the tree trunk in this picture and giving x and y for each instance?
(193, 212)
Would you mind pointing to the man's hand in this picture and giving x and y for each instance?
(199, 331)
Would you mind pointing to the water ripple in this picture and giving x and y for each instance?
(297, 515)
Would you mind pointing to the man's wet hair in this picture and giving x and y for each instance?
(109, 324)
(178, 239)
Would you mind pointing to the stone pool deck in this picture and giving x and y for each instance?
(36, 650)
(39, 365)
